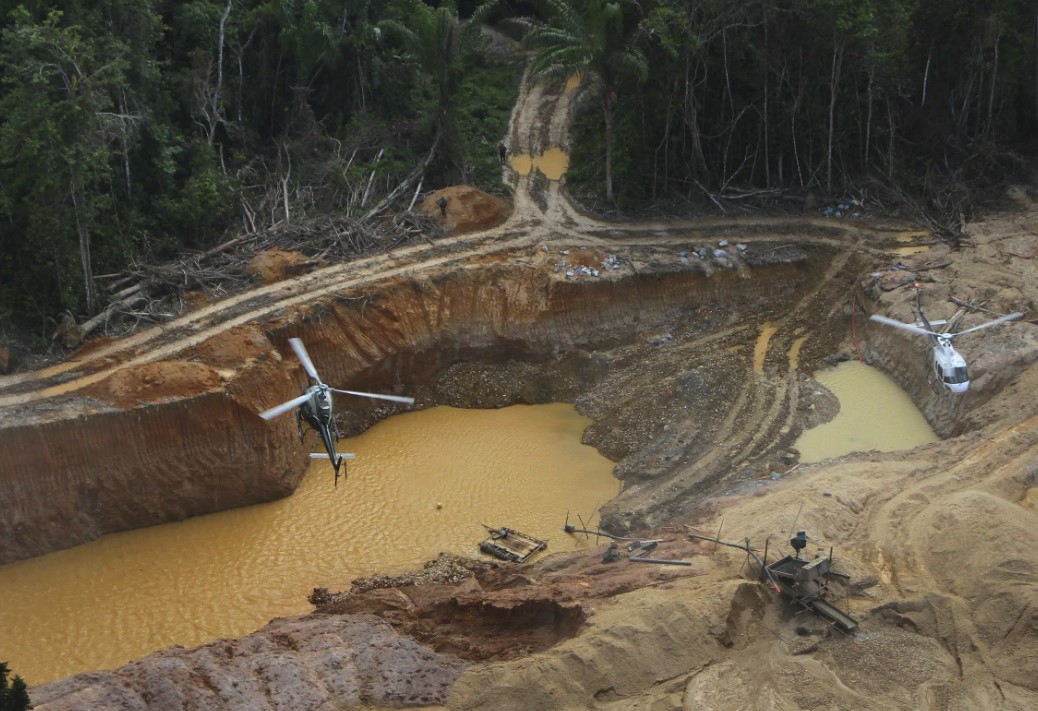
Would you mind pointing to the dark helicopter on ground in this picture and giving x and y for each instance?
(315, 409)
(948, 364)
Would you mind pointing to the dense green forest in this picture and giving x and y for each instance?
(132, 131)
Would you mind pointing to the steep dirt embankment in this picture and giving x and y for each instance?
(153, 443)
(161, 441)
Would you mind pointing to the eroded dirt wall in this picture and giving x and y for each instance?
(70, 480)
(137, 455)
(412, 330)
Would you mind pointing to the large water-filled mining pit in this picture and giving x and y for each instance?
(689, 355)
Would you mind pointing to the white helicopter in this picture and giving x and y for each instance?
(315, 408)
(949, 365)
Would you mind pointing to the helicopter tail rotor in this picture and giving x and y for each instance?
(338, 456)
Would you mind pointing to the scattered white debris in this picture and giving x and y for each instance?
(741, 247)
(720, 254)
(723, 243)
(582, 271)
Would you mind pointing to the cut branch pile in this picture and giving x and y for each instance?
(148, 293)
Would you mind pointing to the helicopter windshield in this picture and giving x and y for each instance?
(955, 375)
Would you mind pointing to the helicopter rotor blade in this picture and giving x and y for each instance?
(903, 326)
(1002, 319)
(394, 398)
(284, 407)
(304, 357)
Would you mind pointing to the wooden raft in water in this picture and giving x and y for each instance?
(511, 545)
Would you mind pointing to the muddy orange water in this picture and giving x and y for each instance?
(874, 414)
(552, 163)
(423, 482)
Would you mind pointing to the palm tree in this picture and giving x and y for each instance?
(596, 38)
(432, 38)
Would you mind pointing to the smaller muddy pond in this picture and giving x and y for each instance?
(874, 414)
(423, 482)
(552, 163)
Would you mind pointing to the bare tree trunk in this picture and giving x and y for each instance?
(834, 81)
(83, 231)
(125, 143)
(664, 145)
(608, 101)
(692, 122)
(284, 180)
(991, 92)
(371, 179)
(890, 146)
(926, 75)
(868, 115)
(767, 156)
(767, 72)
(793, 133)
(415, 175)
(214, 100)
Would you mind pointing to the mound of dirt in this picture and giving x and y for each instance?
(232, 348)
(466, 209)
(156, 382)
(277, 264)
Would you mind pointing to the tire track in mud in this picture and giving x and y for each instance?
(791, 333)
(164, 340)
(763, 411)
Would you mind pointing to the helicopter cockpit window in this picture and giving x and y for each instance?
(956, 375)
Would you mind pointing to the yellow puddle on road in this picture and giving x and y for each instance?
(912, 236)
(552, 163)
(760, 349)
(794, 352)
(874, 414)
(423, 482)
(573, 82)
(909, 251)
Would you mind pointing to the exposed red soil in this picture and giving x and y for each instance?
(468, 209)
